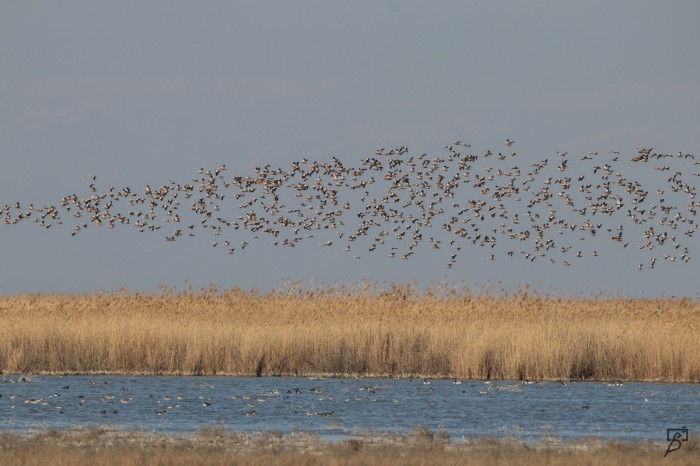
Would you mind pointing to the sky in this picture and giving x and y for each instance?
(140, 93)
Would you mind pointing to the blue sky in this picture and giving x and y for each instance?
(146, 92)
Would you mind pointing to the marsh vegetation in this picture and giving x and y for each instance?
(364, 330)
(218, 446)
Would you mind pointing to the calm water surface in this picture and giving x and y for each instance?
(337, 408)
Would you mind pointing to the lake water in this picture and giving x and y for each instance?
(336, 408)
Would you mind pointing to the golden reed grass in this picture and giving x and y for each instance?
(361, 330)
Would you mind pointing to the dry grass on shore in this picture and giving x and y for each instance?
(362, 330)
(214, 446)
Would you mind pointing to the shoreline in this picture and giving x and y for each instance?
(319, 376)
(215, 445)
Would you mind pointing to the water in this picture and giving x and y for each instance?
(338, 408)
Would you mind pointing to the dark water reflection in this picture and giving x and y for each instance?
(337, 408)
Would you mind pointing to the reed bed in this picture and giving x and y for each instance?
(213, 446)
(363, 330)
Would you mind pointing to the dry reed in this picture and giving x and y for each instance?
(220, 447)
(363, 330)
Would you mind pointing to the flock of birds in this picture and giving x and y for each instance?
(104, 398)
(392, 202)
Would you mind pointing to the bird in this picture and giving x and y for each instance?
(396, 202)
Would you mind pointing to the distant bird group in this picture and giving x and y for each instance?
(510, 204)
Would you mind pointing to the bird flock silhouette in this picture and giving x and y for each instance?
(392, 202)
